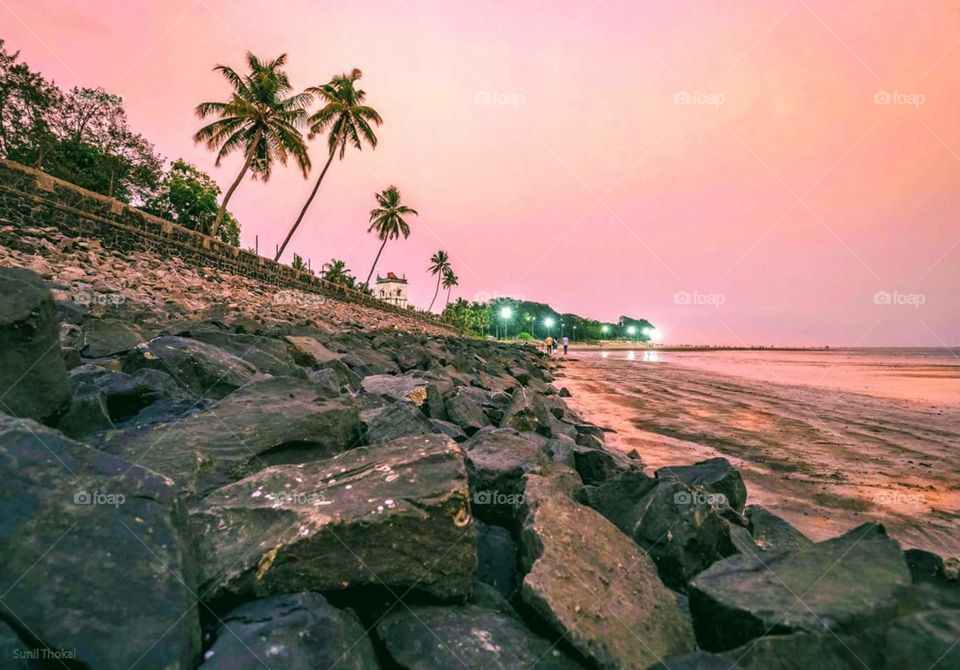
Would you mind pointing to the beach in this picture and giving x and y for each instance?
(827, 439)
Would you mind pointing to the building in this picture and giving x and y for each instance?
(392, 289)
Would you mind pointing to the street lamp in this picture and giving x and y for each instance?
(505, 314)
(631, 331)
(574, 332)
(548, 322)
(604, 329)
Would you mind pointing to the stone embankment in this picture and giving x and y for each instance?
(198, 473)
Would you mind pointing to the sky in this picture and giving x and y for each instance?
(737, 172)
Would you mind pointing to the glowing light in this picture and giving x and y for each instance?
(548, 322)
(631, 330)
(655, 335)
(506, 313)
(604, 329)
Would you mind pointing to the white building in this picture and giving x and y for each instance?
(392, 289)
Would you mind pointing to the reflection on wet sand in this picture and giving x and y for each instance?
(825, 458)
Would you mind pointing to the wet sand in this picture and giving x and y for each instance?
(822, 456)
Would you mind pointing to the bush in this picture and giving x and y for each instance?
(525, 336)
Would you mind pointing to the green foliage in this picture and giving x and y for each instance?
(344, 114)
(81, 136)
(188, 197)
(298, 263)
(525, 336)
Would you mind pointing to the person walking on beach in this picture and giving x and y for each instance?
(548, 345)
(566, 343)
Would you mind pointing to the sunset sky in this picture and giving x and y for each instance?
(548, 148)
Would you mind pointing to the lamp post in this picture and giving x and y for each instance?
(548, 322)
(574, 337)
(505, 314)
(603, 331)
(631, 331)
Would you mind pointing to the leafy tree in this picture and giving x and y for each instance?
(27, 101)
(260, 118)
(298, 263)
(439, 265)
(449, 281)
(188, 197)
(348, 121)
(387, 219)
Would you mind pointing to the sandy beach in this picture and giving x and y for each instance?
(828, 440)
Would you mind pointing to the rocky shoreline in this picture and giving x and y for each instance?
(217, 480)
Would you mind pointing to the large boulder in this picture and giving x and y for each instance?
(497, 460)
(496, 558)
(398, 387)
(296, 631)
(202, 369)
(309, 351)
(398, 419)
(108, 337)
(715, 475)
(526, 413)
(924, 640)
(266, 354)
(393, 515)
(591, 584)
(771, 533)
(278, 420)
(427, 638)
(85, 536)
(33, 377)
(464, 410)
(850, 580)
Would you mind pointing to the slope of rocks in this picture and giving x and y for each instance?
(195, 478)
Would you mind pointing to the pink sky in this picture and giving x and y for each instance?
(780, 207)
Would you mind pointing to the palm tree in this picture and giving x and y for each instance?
(336, 272)
(348, 121)
(449, 281)
(439, 265)
(260, 119)
(388, 221)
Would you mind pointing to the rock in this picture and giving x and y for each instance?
(924, 640)
(202, 369)
(698, 660)
(497, 460)
(434, 406)
(278, 420)
(681, 530)
(426, 638)
(344, 375)
(393, 515)
(565, 392)
(497, 558)
(265, 354)
(463, 410)
(802, 650)
(925, 566)
(108, 337)
(526, 413)
(398, 387)
(591, 584)
(16, 654)
(399, 419)
(85, 536)
(849, 580)
(771, 533)
(297, 631)
(33, 377)
(309, 351)
(715, 475)
(372, 362)
(412, 357)
(449, 429)
(598, 465)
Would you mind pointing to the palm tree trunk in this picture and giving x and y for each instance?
(306, 205)
(235, 184)
(447, 304)
(435, 293)
(375, 261)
